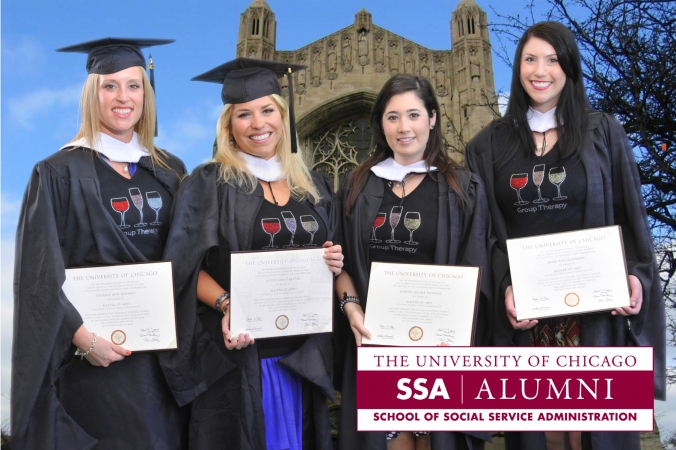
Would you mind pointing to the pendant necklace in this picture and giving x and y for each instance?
(402, 185)
(541, 148)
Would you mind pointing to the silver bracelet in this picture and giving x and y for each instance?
(348, 299)
(82, 355)
(225, 299)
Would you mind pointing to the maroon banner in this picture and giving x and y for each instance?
(532, 389)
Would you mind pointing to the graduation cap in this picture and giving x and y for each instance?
(110, 55)
(246, 79)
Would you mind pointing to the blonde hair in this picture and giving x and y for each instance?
(233, 168)
(90, 125)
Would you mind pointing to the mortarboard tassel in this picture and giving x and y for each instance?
(292, 115)
(151, 69)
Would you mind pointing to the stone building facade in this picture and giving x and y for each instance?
(347, 68)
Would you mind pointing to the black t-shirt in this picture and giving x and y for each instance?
(540, 195)
(293, 226)
(139, 206)
(405, 230)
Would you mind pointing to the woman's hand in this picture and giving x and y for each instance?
(511, 312)
(333, 256)
(635, 301)
(234, 342)
(104, 352)
(355, 315)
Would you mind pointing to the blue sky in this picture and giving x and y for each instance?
(40, 88)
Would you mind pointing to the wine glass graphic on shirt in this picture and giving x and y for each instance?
(538, 178)
(290, 222)
(395, 216)
(557, 175)
(516, 182)
(271, 227)
(412, 223)
(378, 222)
(137, 199)
(121, 205)
(155, 202)
(309, 224)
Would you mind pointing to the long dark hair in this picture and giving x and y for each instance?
(435, 153)
(572, 108)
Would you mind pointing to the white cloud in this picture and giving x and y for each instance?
(9, 215)
(11, 205)
(190, 134)
(22, 55)
(25, 110)
(7, 311)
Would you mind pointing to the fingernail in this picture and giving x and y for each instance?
(633, 304)
(128, 352)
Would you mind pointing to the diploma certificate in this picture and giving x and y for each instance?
(568, 273)
(280, 293)
(131, 305)
(422, 305)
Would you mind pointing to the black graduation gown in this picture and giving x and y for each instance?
(613, 198)
(64, 224)
(463, 238)
(225, 385)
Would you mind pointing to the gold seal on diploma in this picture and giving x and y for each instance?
(282, 322)
(572, 299)
(118, 337)
(415, 333)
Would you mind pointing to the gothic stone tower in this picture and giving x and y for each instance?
(347, 68)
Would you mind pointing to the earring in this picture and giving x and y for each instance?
(431, 127)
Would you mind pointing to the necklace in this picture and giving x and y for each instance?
(402, 185)
(402, 182)
(541, 148)
(273, 194)
(125, 166)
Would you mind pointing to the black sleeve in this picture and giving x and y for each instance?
(198, 362)
(44, 320)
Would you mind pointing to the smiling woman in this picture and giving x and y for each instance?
(410, 179)
(257, 127)
(255, 394)
(569, 168)
(73, 216)
(542, 77)
(120, 98)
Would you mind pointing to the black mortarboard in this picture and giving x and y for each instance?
(246, 79)
(110, 55)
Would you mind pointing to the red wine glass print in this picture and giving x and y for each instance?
(309, 224)
(538, 178)
(395, 216)
(121, 205)
(516, 182)
(290, 222)
(378, 222)
(557, 175)
(271, 227)
(155, 202)
(137, 199)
